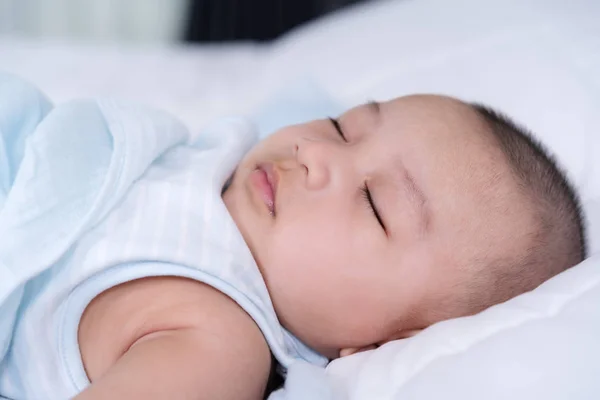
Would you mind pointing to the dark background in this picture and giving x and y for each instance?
(258, 20)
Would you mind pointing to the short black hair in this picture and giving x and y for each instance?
(559, 235)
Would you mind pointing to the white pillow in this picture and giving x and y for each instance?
(539, 62)
(541, 345)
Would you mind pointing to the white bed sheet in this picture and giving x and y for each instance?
(536, 59)
(539, 60)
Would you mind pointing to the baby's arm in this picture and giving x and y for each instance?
(164, 337)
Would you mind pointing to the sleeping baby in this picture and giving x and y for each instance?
(139, 263)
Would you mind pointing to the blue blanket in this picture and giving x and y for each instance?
(38, 226)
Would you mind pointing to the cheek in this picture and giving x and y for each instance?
(307, 250)
(322, 253)
(308, 244)
(323, 274)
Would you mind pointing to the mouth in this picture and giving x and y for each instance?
(265, 179)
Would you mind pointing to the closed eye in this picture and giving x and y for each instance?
(371, 204)
(338, 128)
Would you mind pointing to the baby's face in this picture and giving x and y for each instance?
(368, 233)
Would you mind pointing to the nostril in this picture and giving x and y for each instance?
(297, 157)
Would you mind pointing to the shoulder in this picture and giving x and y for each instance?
(145, 308)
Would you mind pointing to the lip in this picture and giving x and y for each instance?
(265, 179)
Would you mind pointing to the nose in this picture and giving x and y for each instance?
(316, 157)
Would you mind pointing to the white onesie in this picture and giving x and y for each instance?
(103, 193)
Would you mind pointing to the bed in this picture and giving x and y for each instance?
(538, 60)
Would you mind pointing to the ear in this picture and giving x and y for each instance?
(400, 335)
(352, 350)
(396, 336)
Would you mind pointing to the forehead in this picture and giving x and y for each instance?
(443, 140)
(426, 119)
(431, 117)
(439, 139)
(454, 160)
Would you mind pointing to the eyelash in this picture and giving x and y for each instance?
(366, 193)
(338, 128)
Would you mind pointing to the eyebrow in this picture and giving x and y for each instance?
(374, 107)
(413, 192)
(417, 198)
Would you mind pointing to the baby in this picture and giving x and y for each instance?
(401, 214)
(366, 228)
